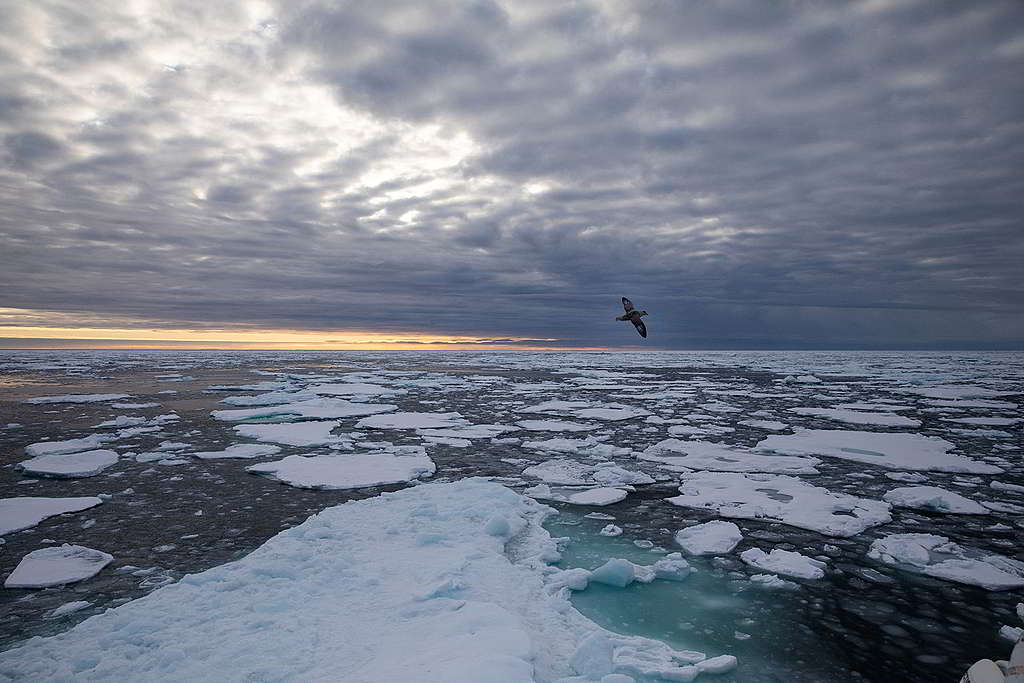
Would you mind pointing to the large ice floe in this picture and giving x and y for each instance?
(939, 557)
(27, 511)
(934, 499)
(569, 472)
(239, 450)
(420, 585)
(86, 464)
(782, 499)
(78, 398)
(293, 433)
(67, 446)
(350, 471)
(310, 409)
(586, 410)
(892, 450)
(885, 419)
(555, 426)
(716, 537)
(784, 562)
(57, 566)
(413, 421)
(682, 456)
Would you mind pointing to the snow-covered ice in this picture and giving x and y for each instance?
(939, 557)
(293, 433)
(57, 566)
(555, 426)
(27, 511)
(716, 537)
(345, 471)
(311, 409)
(412, 421)
(85, 464)
(78, 398)
(597, 496)
(892, 450)
(569, 472)
(703, 455)
(239, 450)
(783, 499)
(935, 499)
(87, 443)
(885, 419)
(784, 562)
(400, 587)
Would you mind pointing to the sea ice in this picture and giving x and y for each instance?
(87, 464)
(68, 446)
(782, 499)
(986, 421)
(346, 471)
(574, 473)
(892, 450)
(313, 408)
(240, 450)
(784, 562)
(935, 499)
(57, 566)
(24, 512)
(937, 556)
(481, 431)
(78, 398)
(589, 447)
(412, 421)
(710, 538)
(555, 426)
(887, 419)
(772, 582)
(293, 433)
(704, 455)
(354, 389)
(769, 425)
(598, 496)
(401, 587)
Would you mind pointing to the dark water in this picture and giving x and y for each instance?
(863, 622)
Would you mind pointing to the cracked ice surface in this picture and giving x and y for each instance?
(782, 499)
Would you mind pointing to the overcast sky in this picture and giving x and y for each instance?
(754, 174)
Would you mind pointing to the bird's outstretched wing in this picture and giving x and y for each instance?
(640, 327)
(627, 304)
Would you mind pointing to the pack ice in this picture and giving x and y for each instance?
(348, 471)
(939, 557)
(57, 566)
(411, 586)
(27, 511)
(87, 464)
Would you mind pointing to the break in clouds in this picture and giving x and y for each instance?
(753, 174)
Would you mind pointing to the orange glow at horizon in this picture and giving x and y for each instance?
(182, 338)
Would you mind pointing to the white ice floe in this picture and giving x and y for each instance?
(313, 408)
(769, 425)
(955, 391)
(782, 499)
(937, 556)
(293, 433)
(78, 398)
(892, 450)
(68, 608)
(555, 426)
(703, 455)
(613, 412)
(412, 421)
(784, 562)
(701, 430)
(887, 419)
(610, 530)
(589, 447)
(57, 566)
(86, 464)
(346, 471)
(934, 499)
(27, 511)
(354, 389)
(620, 573)
(599, 496)
(239, 450)
(402, 587)
(1006, 486)
(574, 473)
(134, 406)
(772, 582)
(68, 446)
(716, 537)
(986, 421)
(471, 431)
(272, 398)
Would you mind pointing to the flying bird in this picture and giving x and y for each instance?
(633, 316)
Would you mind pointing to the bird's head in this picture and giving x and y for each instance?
(643, 313)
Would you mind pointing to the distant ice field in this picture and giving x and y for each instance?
(725, 516)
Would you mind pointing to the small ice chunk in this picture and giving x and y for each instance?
(615, 572)
(1011, 633)
(68, 608)
(555, 426)
(412, 421)
(78, 398)
(784, 562)
(611, 530)
(598, 496)
(240, 450)
(57, 566)
(716, 537)
(772, 582)
(717, 665)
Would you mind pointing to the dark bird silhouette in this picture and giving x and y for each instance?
(634, 316)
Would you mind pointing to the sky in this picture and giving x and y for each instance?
(497, 174)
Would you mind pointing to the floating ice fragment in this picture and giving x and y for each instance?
(78, 398)
(935, 499)
(240, 450)
(24, 512)
(412, 421)
(57, 566)
(346, 471)
(68, 446)
(703, 455)
(87, 464)
(784, 562)
(937, 556)
(710, 538)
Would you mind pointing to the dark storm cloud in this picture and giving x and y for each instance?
(754, 174)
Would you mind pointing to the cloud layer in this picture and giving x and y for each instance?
(753, 174)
